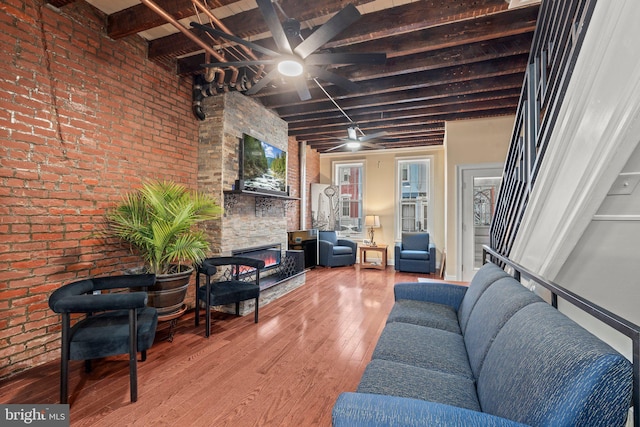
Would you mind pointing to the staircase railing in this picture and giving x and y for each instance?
(559, 34)
(614, 321)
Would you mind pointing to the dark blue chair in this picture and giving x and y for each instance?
(334, 252)
(115, 323)
(239, 282)
(415, 254)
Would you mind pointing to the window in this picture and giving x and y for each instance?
(413, 186)
(348, 179)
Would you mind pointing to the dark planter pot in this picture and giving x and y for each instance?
(169, 291)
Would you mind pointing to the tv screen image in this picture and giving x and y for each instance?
(264, 167)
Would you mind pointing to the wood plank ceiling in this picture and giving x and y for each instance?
(446, 60)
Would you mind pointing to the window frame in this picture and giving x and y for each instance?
(400, 178)
(337, 165)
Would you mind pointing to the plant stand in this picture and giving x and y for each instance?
(173, 318)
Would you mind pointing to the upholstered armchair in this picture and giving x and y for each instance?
(115, 323)
(238, 280)
(335, 252)
(415, 254)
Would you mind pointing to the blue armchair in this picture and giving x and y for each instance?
(335, 252)
(415, 254)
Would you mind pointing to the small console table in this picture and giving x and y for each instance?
(382, 249)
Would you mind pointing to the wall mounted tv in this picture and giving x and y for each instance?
(263, 167)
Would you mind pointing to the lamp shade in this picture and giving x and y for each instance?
(372, 221)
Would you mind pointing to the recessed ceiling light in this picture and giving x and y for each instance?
(290, 68)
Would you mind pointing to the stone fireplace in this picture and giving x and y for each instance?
(248, 221)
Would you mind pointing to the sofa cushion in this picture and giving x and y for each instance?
(342, 250)
(425, 313)
(424, 347)
(419, 255)
(415, 241)
(494, 308)
(484, 277)
(397, 379)
(544, 369)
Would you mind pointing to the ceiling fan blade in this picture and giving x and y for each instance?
(335, 148)
(237, 63)
(302, 88)
(346, 58)
(330, 77)
(372, 136)
(233, 38)
(275, 26)
(328, 30)
(263, 82)
(370, 145)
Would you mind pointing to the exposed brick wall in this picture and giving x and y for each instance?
(84, 118)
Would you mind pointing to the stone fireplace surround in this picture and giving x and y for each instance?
(247, 221)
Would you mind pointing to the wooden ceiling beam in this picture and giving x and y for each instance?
(441, 76)
(420, 94)
(393, 127)
(372, 26)
(140, 18)
(407, 115)
(304, 121)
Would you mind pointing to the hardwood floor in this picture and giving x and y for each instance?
(310, 345)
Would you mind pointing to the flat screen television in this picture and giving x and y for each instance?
(263, 167)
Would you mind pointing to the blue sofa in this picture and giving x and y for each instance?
(334, 252)
(415, 253)
(491, 354)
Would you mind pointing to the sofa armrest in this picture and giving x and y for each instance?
(325, 250)
(346, 242)
(438, 292)
(362, 409)
(396, 253)
(432, 257)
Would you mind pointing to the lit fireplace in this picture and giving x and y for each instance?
(270, 254)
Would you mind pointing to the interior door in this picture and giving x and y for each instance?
(479, 193)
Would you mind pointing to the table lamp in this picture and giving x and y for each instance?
(372, 221)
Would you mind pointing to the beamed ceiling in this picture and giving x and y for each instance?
(446, 60)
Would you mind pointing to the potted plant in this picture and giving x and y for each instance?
(158, 221)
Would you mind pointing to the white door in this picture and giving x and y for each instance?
(480, 188)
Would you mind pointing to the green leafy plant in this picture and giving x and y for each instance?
(159, 221)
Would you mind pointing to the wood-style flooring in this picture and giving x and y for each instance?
(310, 345)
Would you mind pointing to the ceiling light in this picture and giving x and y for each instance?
(353, 144)
(290, 68)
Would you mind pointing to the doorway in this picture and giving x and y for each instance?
(480, 186)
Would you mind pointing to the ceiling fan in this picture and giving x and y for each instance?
(299, 60)
(354, 142)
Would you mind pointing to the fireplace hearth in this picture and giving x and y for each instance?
(281, 275)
